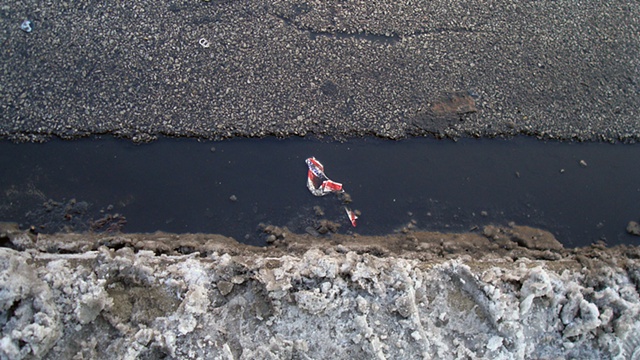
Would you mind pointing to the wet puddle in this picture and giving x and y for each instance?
(581, 192)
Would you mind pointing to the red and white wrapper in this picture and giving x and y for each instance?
(320, 185)
(352, 216)
(317, 182)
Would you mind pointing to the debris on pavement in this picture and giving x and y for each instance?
(204, 43)
(320, 185)
(317, 182)
(26, 26)
(352, 216)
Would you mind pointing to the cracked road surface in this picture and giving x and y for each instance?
(391, 69)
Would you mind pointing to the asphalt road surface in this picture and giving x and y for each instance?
(217, 69)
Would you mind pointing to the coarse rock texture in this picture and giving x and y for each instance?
(414, 295)
(138, 69)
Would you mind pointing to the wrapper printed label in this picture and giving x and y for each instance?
(317, 182)
(320, 185)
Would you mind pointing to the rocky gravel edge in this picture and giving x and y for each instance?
(500, 294)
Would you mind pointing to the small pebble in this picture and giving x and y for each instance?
(633, 228)
(318, 210)
(233, 198)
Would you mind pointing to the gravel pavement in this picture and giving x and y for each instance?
(387, 68)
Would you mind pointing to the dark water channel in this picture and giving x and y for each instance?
(181, 185)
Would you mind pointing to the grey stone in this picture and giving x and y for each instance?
(633, 228)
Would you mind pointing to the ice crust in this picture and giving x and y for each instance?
(30, 318)
(327, 302)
